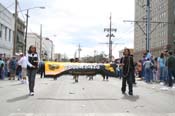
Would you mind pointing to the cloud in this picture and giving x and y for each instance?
(82, 22)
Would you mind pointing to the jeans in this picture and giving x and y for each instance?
(171, 73)
(148, 74)
(19, 75)
(162, 74)
(129, 80)
(31, 79)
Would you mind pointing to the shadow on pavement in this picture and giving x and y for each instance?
(131, 98)
(16, 99)
(16, 84)
(70, 99)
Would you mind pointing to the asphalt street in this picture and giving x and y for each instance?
(64, 97)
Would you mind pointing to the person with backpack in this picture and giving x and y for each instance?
(32, 65)
(12, 68)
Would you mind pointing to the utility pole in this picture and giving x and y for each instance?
(95, 55)
(79, 50)
(110, 35)
(15, 31)
(148, 25)
(41, 41)
(52, 50)
(25, 40)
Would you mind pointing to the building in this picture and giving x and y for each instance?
(6, 32)
(162, 34)
(20, 45)
(57, 57)
(33, 39)
(47, 51)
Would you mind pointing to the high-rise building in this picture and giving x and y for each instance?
(162, 33)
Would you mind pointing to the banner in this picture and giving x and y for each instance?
(56, 69)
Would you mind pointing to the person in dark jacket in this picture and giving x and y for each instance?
(171, 68)
(32, 62)
(128, 70)
(76, 76)
(41, 68)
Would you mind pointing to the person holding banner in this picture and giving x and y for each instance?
(128, 69)
(32, 65)
(76, 76)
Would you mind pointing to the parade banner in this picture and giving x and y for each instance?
(56, 69)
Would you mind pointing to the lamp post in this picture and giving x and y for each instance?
(27, 16)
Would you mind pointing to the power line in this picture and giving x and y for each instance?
(21, 12)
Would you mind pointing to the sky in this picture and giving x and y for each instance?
(72, 22)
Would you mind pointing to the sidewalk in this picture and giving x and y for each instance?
(156, 86)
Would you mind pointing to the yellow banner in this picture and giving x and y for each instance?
(60, 68)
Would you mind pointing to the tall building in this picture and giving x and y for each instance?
(48, 49)
(162, 34)
(6, 32)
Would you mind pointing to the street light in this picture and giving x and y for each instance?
(27, 16)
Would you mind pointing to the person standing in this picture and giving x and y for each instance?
(1, 68)
(171, 68)
(12, 67)
(128, 70)
(76, 76)
(23, 62)
(161, 66)
(32, 59)
(148, 64)
(19, 68)
(41, 68)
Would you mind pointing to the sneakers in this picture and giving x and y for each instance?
(31, 94)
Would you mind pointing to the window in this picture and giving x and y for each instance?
(5, 33)
(0, 31)
(9, 35)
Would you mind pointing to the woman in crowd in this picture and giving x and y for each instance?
(33, 60)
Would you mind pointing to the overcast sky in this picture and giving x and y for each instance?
(72, 22)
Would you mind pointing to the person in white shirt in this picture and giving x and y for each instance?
(23, 62)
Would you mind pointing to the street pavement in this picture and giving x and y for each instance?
(63, 97)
